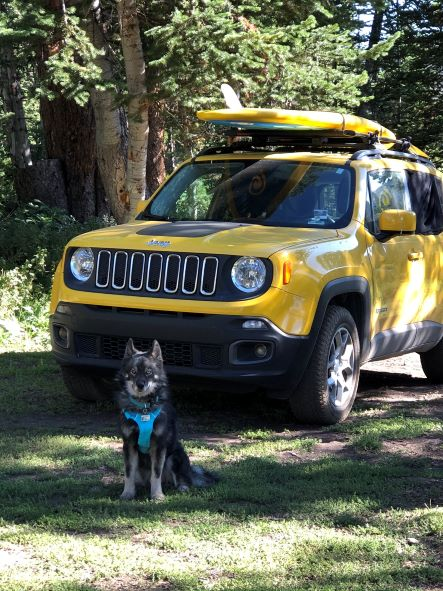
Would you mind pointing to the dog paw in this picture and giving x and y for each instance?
(127, 496)
(182, 488)
(158, 497)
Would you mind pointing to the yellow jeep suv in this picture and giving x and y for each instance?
(273, 263)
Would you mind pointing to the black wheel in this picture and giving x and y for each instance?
(327, 390)
(432, 363)
(83, 385)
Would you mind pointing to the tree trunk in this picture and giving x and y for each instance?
(138, 118)
(371, 65)
(69, 133)
(17, 134)
(45, 181)
(155, 166)
(111, 128)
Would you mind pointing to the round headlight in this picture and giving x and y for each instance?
(248, 274)
(82, 263)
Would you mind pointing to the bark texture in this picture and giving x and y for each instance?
(17, 134)
(111, 127)
(45, 181)
(155, 165)
(69, 132)
(138, 117)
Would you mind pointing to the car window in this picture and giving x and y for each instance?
(388, 189)
(427, 201)
(269, 192)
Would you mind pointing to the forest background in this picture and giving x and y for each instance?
(85, 84)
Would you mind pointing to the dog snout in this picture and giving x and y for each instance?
(140, 384)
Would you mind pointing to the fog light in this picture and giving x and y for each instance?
(253, 324)
(260, 351)
(61, 336)
(62, 333)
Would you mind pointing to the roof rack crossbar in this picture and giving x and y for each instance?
(362, 146)
(361, 154)
(214, 150)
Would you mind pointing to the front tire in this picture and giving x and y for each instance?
(432, 363)
(327, 390)
(83, 385)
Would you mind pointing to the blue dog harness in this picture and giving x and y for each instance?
(145, 422)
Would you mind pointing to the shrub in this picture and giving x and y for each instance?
(32, 239)
(37, 228)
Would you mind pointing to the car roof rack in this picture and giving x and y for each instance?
(361, 154)
(361, 145)
(234, 147)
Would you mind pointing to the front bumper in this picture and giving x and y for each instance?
(196, 347)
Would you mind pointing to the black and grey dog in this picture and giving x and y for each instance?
(152, 451)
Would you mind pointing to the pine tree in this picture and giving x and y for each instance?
(273, 53)
(409, 90)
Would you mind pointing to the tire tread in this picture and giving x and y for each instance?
(308, 402)
(82, 385)
(432, 363)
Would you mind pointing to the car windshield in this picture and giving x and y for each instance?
(268, 192)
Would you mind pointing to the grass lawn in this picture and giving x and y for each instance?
(353, 507)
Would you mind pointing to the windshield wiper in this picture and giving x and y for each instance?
(251, 221)
(160, 218)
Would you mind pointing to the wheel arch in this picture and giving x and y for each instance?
(352, 293)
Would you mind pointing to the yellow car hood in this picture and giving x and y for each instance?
(201, 237)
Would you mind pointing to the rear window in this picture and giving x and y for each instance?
(388, 189)
(426, 193)
(419, 192)
(268, 192)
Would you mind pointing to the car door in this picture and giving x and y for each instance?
(426, 193)
(398, 264)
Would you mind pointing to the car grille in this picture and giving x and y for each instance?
(156, 273)
(178, 354)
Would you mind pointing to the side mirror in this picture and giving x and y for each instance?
(397, 221)
(141, 204)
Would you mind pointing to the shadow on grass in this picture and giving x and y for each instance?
(324, 492)
(378, 379)
(31, 384)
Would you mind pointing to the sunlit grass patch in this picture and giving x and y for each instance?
(260, 555)
(258, 435)
(369, 435)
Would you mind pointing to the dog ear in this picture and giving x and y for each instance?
(156, 351)
(130, 349)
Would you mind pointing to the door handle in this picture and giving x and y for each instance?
(415, 256)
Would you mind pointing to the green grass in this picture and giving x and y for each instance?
(284, 517)
(31, 383)
(369, 435)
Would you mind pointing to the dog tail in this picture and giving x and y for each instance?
(202, 478)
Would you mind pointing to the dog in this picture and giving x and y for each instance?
(152, 451)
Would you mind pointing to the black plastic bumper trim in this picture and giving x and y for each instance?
(283, 370)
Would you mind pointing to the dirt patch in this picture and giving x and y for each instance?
(129, 583)
(427, 447)
(333, 446)
(408, 365)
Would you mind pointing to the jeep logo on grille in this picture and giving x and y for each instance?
(162, 243)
